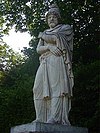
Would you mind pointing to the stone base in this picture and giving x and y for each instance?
(47, 128)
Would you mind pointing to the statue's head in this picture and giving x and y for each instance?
(53, 15)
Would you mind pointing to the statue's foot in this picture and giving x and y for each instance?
(52, 121)
(66, 123)
(37, 120)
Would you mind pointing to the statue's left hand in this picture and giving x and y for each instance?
(55, 50)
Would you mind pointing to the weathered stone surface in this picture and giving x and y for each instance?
(47, 128)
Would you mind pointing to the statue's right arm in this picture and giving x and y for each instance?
(41, 48)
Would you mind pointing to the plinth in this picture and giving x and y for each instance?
(37, 127)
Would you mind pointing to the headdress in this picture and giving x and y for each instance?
(54, 9)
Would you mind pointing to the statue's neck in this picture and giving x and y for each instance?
(54, 28)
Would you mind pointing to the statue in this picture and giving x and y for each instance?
(54, 79)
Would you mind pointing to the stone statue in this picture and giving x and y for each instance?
(54, 79)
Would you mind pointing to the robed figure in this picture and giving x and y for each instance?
(54, 78)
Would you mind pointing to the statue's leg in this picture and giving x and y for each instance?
(56, 111)
(38, 96)
(65, 111)
(59, 111)
(40, 107)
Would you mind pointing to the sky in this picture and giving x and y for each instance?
(17, 40)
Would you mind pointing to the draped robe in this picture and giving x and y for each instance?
(54, 76)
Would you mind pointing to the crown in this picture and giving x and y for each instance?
(54, 6)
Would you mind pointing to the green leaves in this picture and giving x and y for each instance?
(8, 57)
(85, 102)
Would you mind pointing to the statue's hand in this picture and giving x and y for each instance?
(55, 50)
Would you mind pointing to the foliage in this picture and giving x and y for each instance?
(14, 108)
(16, 86)
(9, 58)
(16, 95)
(85, 105)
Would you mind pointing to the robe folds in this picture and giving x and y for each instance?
(54, 76)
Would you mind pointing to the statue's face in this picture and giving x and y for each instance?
(52, 20)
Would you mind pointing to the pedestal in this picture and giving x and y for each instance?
(47, 128)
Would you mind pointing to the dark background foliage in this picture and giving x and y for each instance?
(17, 73)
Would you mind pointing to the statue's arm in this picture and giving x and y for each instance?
(41, 48)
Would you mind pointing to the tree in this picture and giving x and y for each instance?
(16, 80)
(8, 60)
